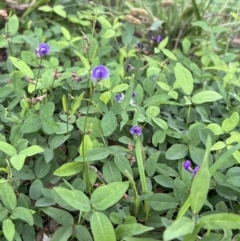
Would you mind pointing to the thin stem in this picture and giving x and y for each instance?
(136, 198)
(142, 173)
(39, 70)
(188, 115)
(85, 166)
(8, 39)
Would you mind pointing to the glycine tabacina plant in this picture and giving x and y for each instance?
(119, 121)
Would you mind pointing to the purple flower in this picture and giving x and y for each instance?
(187, 165)
(119, 97)
(136, 130)
(134, 93)
(100, 72)
(195, 170)
(42, 49)
(158, 38)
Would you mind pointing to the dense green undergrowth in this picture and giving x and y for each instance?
(102, 103)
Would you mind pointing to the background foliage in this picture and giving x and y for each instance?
(71, 170)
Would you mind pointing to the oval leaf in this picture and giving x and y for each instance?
(7, 148)
(102, 228)
(19, 64)
(68, 169)
(206, 96)
(105, 196)
(74, 198)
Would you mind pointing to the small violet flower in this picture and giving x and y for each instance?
(100, 72)
(195, 170)
(187, 167)
(119, 97)
(157, 39)
(42, 49)
(136, 130)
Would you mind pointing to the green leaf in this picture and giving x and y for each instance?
(31, 124)
(233, 176)
(35, 189)
(66, 34)
(7, 195)
(13, 25)
(17, 161)
(220, 221)
(76, 104)
(162, 202)
(7, 148)
(59, 10)
(109, 33)
(3, 42)
(49, 125)
(105, 196)
(215, 128)
(176, 152)
(120, 88)
(3, 213)
(58, 140)
(60, 216)
(45, 8)
(230, 123)
(109, 123)
(169, 54)
(123, 164)
(111, 172)
(202, 25)
(68, 169)
(101, 227)
(8, 229)
(98, 153)
(82, 233)
(105, 96)
(163, 43)
(24, 214)
(201, 183)
(184, 78)
(88, 144)
(179, 228)
(62, 234)
(32, 150)
(206, 96)
(160, 122)
(83, 60)
(74, 198)
(128, 230)
(223, 158)
(24, 68)
(92, 126)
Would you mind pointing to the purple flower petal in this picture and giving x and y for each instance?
(159, 38)
(134, 93)
(187, 165)
(100, 72)
(195, 170)
(119, 97)
(136, 130)
(42, 49)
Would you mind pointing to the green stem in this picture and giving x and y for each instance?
(136, 198)
(188, 115)
(8, 41)
(142, 173)
(85, 165)
(39, 70)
